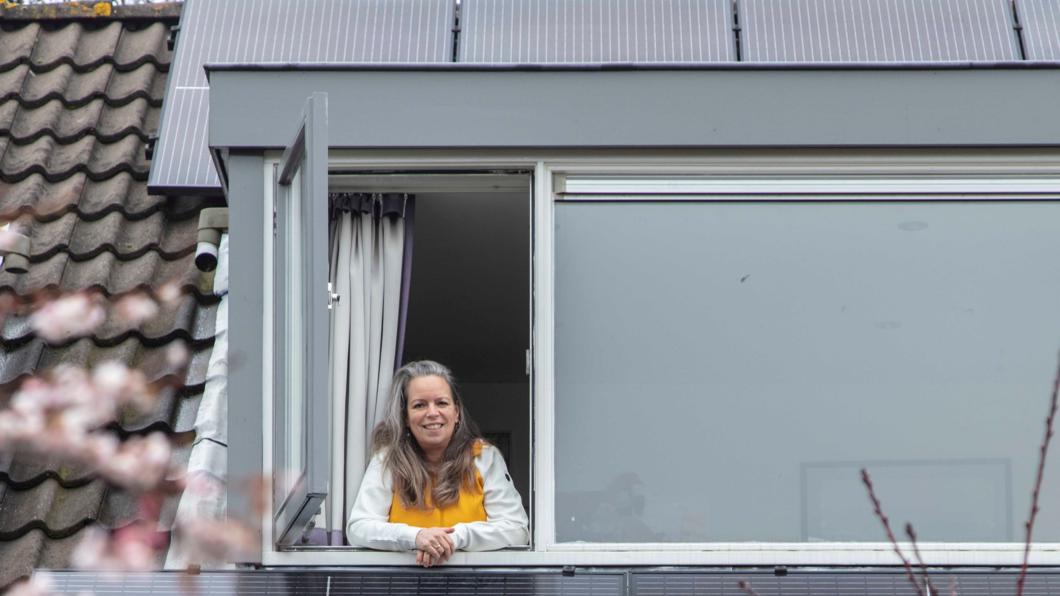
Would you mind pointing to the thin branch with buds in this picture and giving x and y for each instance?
(920, 560)
(890, 535)
(1038, 484)
(746, 587)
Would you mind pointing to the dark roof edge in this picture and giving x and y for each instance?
(86, 11)
(624, 66)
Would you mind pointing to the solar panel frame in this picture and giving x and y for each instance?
(596, 31)
(877, 31)
(307, 31)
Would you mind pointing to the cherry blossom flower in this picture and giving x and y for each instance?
(169, 294)
(177, 354)
(131, 548)
(139, 463)
(135, 307)
(8, 240)
(39, 585)
(76, 315)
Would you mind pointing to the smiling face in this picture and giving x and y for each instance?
(431, 413)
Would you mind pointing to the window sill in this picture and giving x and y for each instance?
(721, 554)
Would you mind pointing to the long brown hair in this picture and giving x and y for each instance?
(405, 459)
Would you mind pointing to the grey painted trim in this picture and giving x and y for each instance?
(245, 316)
(657, 108)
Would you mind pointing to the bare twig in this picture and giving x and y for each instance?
(1038, 484)
(890, 535)
(920, 560)
(746, 587)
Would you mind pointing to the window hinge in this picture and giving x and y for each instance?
(332, 298)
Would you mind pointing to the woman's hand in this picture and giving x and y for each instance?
(434, 546)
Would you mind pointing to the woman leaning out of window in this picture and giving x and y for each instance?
(433, 484)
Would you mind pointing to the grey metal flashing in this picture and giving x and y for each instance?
(642, 108)
(246, 299)
(622, 66)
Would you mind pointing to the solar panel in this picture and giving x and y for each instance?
(279, 31)
(878, 30)
(821, 583)
(1041, 28)
(454, 582)
(565, 31)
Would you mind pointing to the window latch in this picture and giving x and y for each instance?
(332, 298)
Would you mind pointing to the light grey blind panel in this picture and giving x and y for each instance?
(877, 30)
(566, 31)
(724, 369)
(1041, 28)
(280, 31)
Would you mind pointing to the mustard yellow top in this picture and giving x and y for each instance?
(469, 508)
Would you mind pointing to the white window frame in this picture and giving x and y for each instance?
(840, 174)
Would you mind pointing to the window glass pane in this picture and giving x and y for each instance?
(295, 390)
(723, 369)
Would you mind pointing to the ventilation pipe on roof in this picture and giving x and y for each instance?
(212, 222)
(14, 248)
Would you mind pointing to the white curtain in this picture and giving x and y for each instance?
(367, 251)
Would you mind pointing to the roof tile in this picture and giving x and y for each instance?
(152, 361)
(48, 238)
(50, 507)
(29, 469)
(57, 161)
(138, 47)
(11, 81)
(118, 193)
(78, 101)
(31, 550)
(19, 361)
(52, 119)
(113, 276)
(188, 320)
(48, 200)
(17, 45)
(75, 89)
(67, 125)
(79, 46)
(40, 276)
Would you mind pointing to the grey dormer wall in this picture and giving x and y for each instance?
(653, 108)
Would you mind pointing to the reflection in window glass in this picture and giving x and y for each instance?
(723, 369)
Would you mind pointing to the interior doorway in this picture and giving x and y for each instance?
(469, 308)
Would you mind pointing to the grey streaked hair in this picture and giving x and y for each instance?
(406, 461)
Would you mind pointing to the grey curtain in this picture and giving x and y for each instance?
(370, 240)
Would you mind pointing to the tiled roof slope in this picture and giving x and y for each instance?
(79, 99)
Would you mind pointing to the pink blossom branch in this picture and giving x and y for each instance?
(920, 560)
(746, 587)
(953, 585)
(890, 535)
(1038, 484)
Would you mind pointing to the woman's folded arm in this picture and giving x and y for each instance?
(368, 525)
(507, 524)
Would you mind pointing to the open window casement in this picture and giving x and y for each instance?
(300, 451)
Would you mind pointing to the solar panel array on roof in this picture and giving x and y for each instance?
(280, 31)
(571, 31)
(559, 31)
(1041, 28)
(877, 30)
